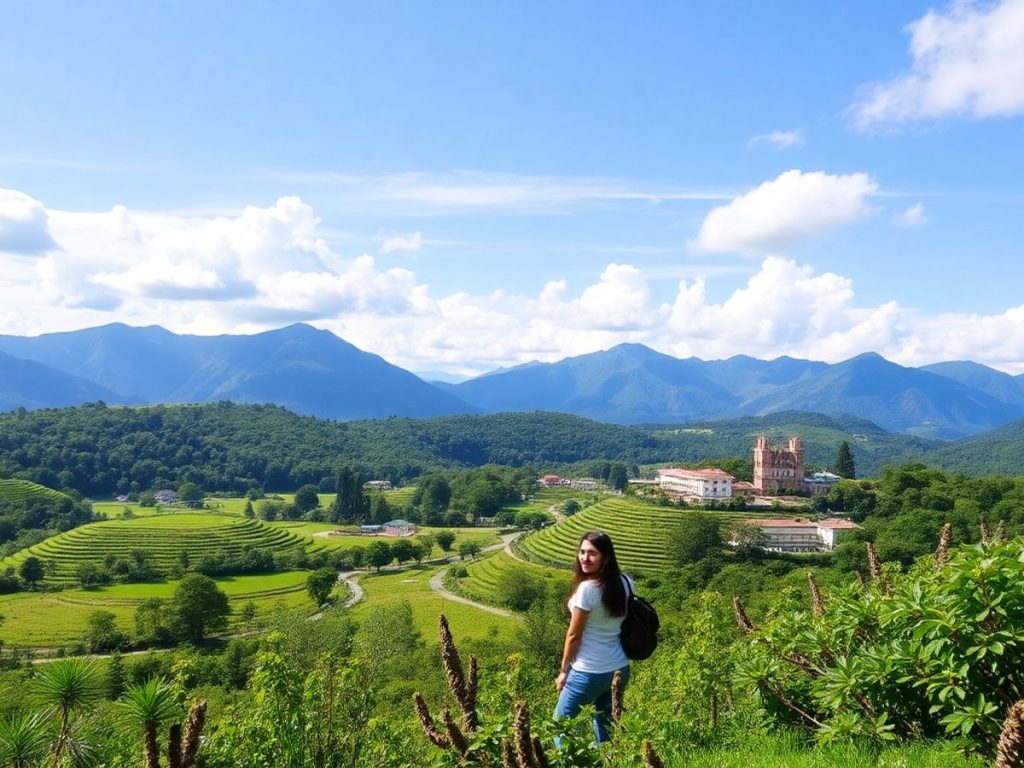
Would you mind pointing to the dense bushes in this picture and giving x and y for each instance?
(936, 651)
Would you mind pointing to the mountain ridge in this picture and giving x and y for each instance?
(314, 372)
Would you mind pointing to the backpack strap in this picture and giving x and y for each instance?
(629, 589)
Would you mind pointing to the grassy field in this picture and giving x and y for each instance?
(23, 490)
(482, 536)
(162, 537)
(413, 585)
(51, 619)
(638, 531)
(486, 574)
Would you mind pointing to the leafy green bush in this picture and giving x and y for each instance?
(937, 650)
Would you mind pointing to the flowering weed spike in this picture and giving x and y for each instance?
(817, 603)
(432, 732)
(651, 759)
(874, 565)
(1010, 752)
(508, 760)
(741, 617)
(616, 696)
(986, 538)
(521, 730)
(942, 553)
(456, 736)
(1001, 533)
(539, 756)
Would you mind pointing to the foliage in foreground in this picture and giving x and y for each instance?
(937, 651)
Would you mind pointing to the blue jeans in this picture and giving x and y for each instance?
(583, 688)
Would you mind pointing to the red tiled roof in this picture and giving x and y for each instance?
(711, 473)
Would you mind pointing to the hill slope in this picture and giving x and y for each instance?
(631, 384)
(28, 384)
(307, 370)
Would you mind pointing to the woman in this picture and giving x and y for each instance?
(593, 653)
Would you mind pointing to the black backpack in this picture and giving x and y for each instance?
(639, 633)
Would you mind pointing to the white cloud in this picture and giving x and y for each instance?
(412, 242)
(24, 225)
(914, 216)
(787, 211)
(469, 191)
(779, 139)
(967, 60)
(266, 266)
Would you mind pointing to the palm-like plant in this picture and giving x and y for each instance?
(23, 740)
(149, 705)
(66, 685)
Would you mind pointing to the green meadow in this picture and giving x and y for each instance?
(52, 619)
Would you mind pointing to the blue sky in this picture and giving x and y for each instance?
(459, 186)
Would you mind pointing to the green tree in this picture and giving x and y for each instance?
(67, 685)
(151, 621)
(350, 503)
(748, 538)
(469, 549)
(114, 683)
(191, 494)
(89, 574)
(102, 634)
(844, 466)
(306, 498)
(149, 705)
(570, 508)
(147, 499)
(249, 511)
(379, 554)
(198, 606)
(618, 476)
(24, 740)
(445, 539)
(402, 550)
(696, 537)
(320, 583)
(32, 570)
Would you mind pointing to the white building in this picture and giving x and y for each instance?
(802, 535)
(700, 484)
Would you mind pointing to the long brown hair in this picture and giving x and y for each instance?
(613, 593)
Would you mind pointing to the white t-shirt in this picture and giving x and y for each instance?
(600, 648)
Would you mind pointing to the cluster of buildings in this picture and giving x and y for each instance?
(801, 535)
(778, 469)
(578, 483)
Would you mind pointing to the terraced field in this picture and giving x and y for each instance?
(639, 532)
(23, 490)
(52, 619)
(162, 538)
(487, 573)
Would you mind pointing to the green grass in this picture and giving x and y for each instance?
(486, 574)
(161, 537)
(24, 490)
(787, 751)
(638, 530)
(413, 585)
(483, 536)
(52, 619)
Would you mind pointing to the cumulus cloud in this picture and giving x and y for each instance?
(914, 216)
(967, 60)
(786, 212)
(411, 242)
(778, 139)
(266, 266)
(24, 225)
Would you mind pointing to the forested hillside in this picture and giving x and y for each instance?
(99, 450)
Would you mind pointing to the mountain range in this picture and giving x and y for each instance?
(314, 372)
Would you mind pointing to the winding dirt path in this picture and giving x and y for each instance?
(437, 584)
